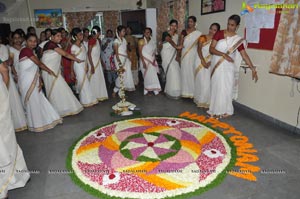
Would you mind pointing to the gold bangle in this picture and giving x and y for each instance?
(223, 55)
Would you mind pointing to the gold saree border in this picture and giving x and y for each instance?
(90, 104)
(97, 65)
(21, 129)
(231, 50)
(53, 83)
(201, 104)
(187, 96)
(72, 113)
(189, 49)
(101, 99)
(5, 185)
(32, 86)
(83, 81)
(201, 66)
(46, 127)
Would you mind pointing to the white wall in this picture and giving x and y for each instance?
(85, 5)
(19, 17)
(271, 94)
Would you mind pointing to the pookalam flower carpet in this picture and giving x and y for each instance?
(152, 157)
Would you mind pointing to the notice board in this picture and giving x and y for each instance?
(267, 36)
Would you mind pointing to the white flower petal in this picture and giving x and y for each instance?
(213, 153)
(133, 145)
(89, 156)
(172, 123)
(165, 145)
(150, 138)
(108, 180)
(150, 153)
(100, 135)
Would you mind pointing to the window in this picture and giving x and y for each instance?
(171, 10)
(64, 21)
(97, 21)
(187, 7)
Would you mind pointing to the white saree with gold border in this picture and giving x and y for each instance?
(202, 78)
(17, 110)
(83, 86)
(97, 80)
(189, 53)
(13, 169)
(126, 63)
(39, 112)
(151, 81)
(171, 68)
(224, 80)
(58, 92)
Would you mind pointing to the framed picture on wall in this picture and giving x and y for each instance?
(212, 6)
(48, 18)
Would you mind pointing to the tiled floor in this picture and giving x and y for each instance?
(277, 149)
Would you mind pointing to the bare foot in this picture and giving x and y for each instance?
(212, 116)
(225, 115)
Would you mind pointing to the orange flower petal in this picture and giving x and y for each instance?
(88, 147)
(110, 144)
(207, 138)
(191, 145)
(157, 129)
(160, 182)
(142, 122)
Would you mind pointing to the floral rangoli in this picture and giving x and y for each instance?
(153, 157)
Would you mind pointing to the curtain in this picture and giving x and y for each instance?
(162, 20)
(79, 19)
(286, 52)
(180, 13)
(178, 10)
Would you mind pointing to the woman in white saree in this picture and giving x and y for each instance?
(95, 75)
(58, 92)
(169, 62)
(122, 61)
(14, 52)
(17, 110)
(227, 48)
(14, 173)
(189, 41)
(80, 70)
(39, 112)
(202, 68)
(149, 66)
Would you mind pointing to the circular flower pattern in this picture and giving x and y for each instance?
(150, 158)
(150, 147)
